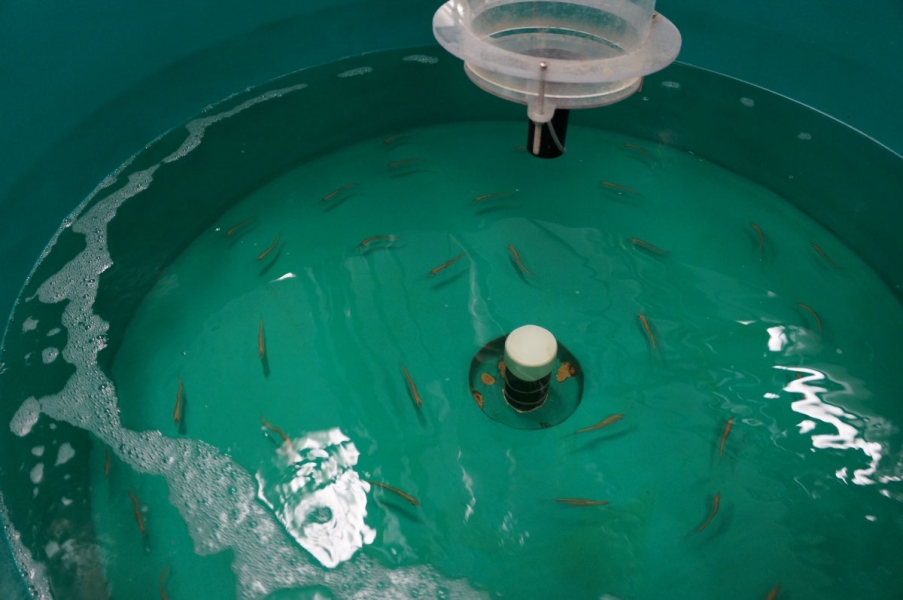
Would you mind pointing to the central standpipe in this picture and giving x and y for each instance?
(530, 355)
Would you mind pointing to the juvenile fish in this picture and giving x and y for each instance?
(413, 387)
(760, 234)
(646, 245)
(581, 502)
(281, 433)
(239, 226)
(408, 161)
(817, 320)
(407, 497)
(391, 138)
(487, 379)
(138, 516)
(564, 371)
(773, 594)
(106, 465)
(484, 196)
(647, 329)
(517, 259)
(604, 423)
(620, 187)
(268, 250)
(163, 595)
(715, 504)
(373, 238)
(332, 195)
(447, 264)
(823, 255)
(177, 412)
(261, 342)
(727, 432)
(635, 147)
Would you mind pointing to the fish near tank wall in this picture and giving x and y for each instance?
(128, 86)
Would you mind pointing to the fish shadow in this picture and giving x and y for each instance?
(268, 266)
(600, 440)
(447, 281)
(493, 209)
(421, 418)
(182, 428)
(385, 245)
(334, 203)
(403, 171)
(621, 197)
(520, 272)
(265, 363)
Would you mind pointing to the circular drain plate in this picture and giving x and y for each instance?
(486, 379)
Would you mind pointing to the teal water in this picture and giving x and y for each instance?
(808, 468)
(142, 288)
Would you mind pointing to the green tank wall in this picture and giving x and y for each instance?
(84, 85)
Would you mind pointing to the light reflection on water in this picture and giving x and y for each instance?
(315, 492)
(847, 435)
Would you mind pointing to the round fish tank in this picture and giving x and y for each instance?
(262, 354)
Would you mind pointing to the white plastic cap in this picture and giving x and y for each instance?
(530, 352)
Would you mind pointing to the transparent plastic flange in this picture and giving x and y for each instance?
(551, 59)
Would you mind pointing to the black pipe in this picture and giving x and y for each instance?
(548, 148)
(524, 396)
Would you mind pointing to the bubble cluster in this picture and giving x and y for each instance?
(421, 58)
(355, 72)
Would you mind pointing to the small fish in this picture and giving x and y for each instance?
(408, 161)
(604, 423)
(138, 516)
(239, 226)
(163, 595)
(517, 259)
(544, 425)
(817, 320)
(647, 329)
(410, 499)
(520, 147)
(261, 342)
(478, 398)
(177, 412)
(487, 379)
(727, 432)
(773, 594)
(759, 232)
(564, 371)
(373, 238)
(646, 245)
(502, 368)
(715, 504)
(484, 196)
(823, 255)
(413, 387)
(447, 264)
(263, 254)
(281, 433)
(332, 195)
(620, 187)
(106, 465)
(634, 146)
(581, 502)
(392, 138)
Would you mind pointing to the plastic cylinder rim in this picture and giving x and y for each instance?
(530, 352)
(658, 51)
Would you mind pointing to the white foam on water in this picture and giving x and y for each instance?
(37, 473)
(355, 72)
(213, 494)
(748, 102)
(64, 454)
(65, 501)
(51, 549)
(53, 332)
(49, 354)
(804, 136)
(29, 324)
(33, 572)
(197, 127)
(671, 85)
(25, 418)
(421, 58)
(38, 450)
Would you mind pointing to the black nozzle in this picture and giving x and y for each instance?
(551, 135)
(523, 395)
